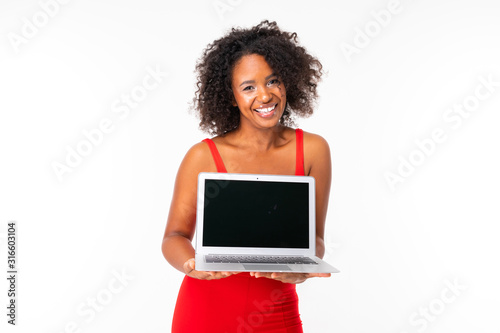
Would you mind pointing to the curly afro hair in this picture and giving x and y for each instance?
(299, 71)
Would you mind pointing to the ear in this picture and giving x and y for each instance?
(233, 101)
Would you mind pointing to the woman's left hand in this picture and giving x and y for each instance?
(294, 278)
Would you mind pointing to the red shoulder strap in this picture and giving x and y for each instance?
(215, 154)
(299, 155)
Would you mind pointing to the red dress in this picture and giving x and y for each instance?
(239, 303)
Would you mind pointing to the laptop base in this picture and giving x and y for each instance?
(321, 267)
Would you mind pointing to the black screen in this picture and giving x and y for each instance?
(240, 213)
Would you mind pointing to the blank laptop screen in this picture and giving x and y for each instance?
(240, 213)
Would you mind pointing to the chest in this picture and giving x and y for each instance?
(277, 161)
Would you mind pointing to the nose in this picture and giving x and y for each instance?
(264, 96)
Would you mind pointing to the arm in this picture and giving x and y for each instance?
(317, 153)
(176, 246)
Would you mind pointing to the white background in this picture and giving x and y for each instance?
(398, 250)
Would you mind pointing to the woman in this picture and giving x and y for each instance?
(250, 83)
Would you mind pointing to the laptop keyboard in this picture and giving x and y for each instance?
(229, 259)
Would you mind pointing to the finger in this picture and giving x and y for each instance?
(208, 275)
(189, 266)
(319, 274)
(263, 274)
(284, 275)
(219, 275)
(290, 277)
(197, 275)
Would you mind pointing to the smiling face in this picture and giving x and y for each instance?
(258, 92)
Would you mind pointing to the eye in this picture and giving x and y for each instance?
(247, 88)
(273, 81)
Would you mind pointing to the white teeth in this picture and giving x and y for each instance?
(265, 110)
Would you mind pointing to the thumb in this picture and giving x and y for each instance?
(190, 263)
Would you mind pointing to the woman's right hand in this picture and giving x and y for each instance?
(189, 269)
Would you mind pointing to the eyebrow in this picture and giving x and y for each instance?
(252, 81)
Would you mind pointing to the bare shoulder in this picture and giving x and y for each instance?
(316, 153)
(198, 151)
(198, 159)
(315, 144)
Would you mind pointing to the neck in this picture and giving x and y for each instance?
(261, 139)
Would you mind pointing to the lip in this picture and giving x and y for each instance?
(267, 114)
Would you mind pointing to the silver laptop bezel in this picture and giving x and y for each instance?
(200, 249)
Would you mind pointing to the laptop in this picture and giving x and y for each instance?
(257, 223)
